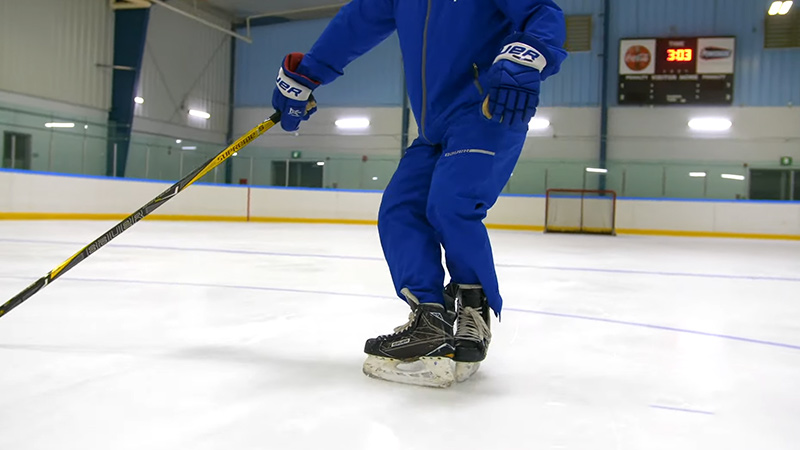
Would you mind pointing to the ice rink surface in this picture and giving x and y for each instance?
(250, 336)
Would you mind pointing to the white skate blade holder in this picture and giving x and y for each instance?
(438, 372)
(464, 370)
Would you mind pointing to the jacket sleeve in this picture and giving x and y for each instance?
(358, 27)
(543, 22)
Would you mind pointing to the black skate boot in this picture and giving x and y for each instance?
(419, 352)
(473, 333)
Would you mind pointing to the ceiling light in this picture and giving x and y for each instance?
(59, 125)
(190, 147)
(374, 178)
(138, 100)
(596, 170)
(538, 123)
(178, 141)
(710, 124)
(781, 8)
(321, 163)
(200, 114)
(352, 123)
(86, 127)
(730, 176)
(697, 174)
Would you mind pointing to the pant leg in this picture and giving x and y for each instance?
(477, 160)
(410, 244)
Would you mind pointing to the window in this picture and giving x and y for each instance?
(774, 184)
(16, 151)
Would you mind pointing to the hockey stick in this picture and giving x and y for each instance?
(140, 214)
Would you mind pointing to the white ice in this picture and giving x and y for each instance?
(250, 336)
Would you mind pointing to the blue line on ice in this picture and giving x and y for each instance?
(671, 408)
(373, 258)
(345, 294)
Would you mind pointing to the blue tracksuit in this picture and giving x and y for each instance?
(453, 173)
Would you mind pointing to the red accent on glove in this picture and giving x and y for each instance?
(292, 63)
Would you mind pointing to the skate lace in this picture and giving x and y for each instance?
(471, 325)
(397, 330)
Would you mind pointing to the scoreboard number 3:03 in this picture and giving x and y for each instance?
(680, 54)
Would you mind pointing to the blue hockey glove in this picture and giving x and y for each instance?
(292, 93)
(514, 81)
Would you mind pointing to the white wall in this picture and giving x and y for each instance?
(186, 66)
(759, 135)
(51, 48)
(35, 193)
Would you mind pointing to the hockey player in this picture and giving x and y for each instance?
(473, 70)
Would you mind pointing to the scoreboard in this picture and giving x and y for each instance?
(677, 71)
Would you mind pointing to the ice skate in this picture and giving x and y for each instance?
(473, 331)
(419, 352)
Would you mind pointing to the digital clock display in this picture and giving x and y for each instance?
(680, 55)
(677, 71)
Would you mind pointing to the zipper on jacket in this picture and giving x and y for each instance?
(424, 67)
(477, 79)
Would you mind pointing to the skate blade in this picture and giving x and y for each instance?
(427, 371)
(464, 370)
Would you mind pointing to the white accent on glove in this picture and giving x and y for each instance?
(523, 54)
(291, 88)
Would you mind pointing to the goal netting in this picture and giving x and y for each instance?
(580, 211)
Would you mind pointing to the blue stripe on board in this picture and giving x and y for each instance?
(344, 294)
(694, 411)
(372, 258)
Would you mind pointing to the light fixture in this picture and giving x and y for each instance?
(178, 141)
(781, 8)
(200, 114)
(189, 147)
(710, 124)
(596, 170)
(59, 125)
(138, 100)
(730, 176)
(538, 123)
(352, 123)
(374, 178)
(86, 127)
(697, 174)
(235, 153)
(321, 163)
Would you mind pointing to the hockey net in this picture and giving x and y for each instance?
(580, 211)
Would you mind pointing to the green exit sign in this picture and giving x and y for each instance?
(786, 161)
(297, 155)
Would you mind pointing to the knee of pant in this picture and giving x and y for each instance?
(445, 209)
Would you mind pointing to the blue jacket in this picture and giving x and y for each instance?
(446, 44)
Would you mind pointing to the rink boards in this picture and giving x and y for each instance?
(25, 196)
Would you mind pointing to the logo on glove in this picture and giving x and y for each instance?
(523, 54)
(295, 112)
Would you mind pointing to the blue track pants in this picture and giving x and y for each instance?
(438, 197)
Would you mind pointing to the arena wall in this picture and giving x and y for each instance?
(30, 196)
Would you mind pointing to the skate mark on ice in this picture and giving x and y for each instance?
(381, 260)
(346, 294)
(656, 327)
(686, 410)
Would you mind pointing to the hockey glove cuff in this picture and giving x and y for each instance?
(292, 93)
(514, 81)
